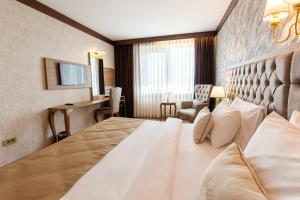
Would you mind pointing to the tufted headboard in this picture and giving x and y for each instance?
(273, 82)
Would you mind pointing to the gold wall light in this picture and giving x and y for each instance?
(98, 54)
(276, 11)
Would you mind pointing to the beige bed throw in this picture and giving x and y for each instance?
(48, 174)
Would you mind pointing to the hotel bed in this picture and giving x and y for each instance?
(159, 161)
(131, 167)
(128, 159)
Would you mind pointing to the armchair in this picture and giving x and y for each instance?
(190, 109)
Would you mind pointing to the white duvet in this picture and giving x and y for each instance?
(143, 166)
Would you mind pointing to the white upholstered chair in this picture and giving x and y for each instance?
(114, 104)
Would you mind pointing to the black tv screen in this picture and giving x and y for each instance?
(73, 74)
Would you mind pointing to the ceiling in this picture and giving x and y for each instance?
(129, 19)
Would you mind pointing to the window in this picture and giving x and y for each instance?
(162, 68)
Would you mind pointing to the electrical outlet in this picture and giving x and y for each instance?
(9, 141)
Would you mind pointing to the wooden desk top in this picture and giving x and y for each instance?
(80, 104)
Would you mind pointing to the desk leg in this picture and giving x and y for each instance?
(67, 121)
(52, 124)
(96, 116)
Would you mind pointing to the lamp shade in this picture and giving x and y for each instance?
(217, 92)
(276, 10)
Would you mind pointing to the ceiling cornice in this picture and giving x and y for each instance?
(227, 13)
(63, 18)
(166, 37)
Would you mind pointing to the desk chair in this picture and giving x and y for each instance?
(114, 104)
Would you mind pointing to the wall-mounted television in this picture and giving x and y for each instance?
(73, 74)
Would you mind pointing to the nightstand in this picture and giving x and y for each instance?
(163, 109)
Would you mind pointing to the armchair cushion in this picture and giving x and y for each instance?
(196, 102)
(187, 114)
(186, 104)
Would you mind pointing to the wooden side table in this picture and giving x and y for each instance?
(163, 109)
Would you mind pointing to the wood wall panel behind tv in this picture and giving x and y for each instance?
(53, 75)
(109, 77)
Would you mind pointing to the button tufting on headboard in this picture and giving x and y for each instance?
(267, 82)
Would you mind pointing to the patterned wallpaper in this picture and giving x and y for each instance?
(26, 36)
(245, 36)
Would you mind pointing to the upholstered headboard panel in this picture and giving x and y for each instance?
(272, 82)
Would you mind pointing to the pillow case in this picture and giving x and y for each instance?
(230, 177)
(251, 117)
(295, 119)
(274, 152)
(202, 125)
(226, 123)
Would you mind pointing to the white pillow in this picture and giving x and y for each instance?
(230, 177)
(251, 117)
(202, 125)
(274, 152)
(226, 123)
(295, 119)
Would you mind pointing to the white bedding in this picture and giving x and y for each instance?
(192, 160)
(158, 161)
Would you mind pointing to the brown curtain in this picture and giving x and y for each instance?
(124, 74)
(204, 60)
(101, 77)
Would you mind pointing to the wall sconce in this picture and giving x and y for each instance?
(98, 54)
(276, 11)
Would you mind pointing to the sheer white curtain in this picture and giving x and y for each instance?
(160, 68)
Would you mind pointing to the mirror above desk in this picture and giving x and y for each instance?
(97, 72)
(102, 78)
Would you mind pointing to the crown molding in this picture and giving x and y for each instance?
(227, 13)
(166, 37)
(63, 18)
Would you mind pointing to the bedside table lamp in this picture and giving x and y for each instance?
(217, 93)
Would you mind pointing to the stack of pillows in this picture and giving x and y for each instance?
(268, 168)
(228, 122)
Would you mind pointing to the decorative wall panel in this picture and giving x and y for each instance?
(245, 36)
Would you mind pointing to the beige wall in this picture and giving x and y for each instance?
(245, 36)
(26, 36)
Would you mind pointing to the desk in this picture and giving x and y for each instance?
(67, 110)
